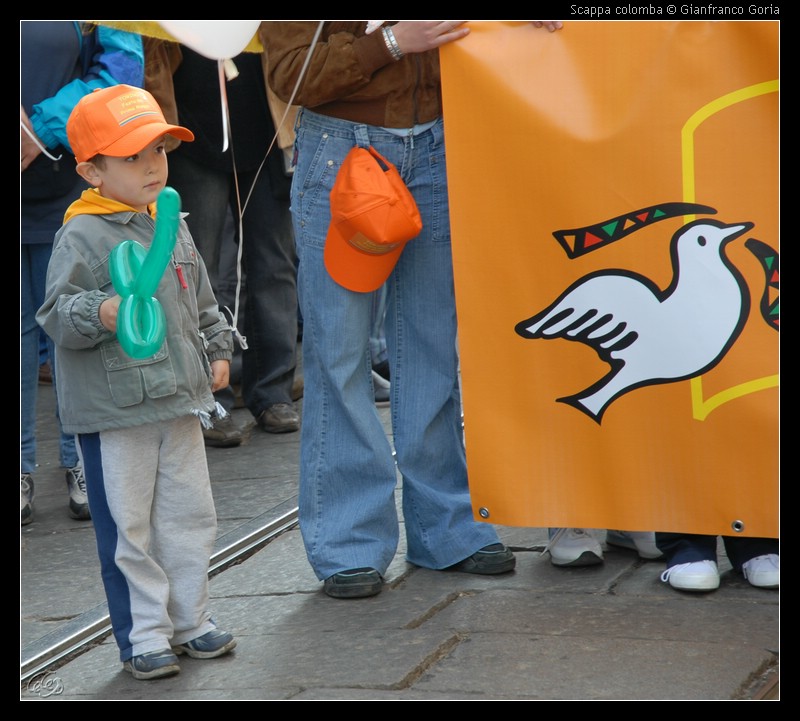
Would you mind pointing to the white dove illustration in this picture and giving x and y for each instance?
(649, 336)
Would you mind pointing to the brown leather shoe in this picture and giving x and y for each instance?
(279, 418)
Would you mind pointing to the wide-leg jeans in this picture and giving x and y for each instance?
(348, 474)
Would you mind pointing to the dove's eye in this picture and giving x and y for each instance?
(701, 240)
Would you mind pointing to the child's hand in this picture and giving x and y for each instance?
(109, 309)
(220, 374)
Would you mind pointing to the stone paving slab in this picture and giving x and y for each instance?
(538, 633)
(607, 632)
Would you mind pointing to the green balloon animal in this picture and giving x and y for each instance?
(136, 273)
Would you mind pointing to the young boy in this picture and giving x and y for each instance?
(139, 420)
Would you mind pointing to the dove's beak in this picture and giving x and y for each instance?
(731, 232)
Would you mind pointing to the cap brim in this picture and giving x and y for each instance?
(354, 269)
(139, 138)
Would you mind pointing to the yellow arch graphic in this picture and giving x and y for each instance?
(702, 407)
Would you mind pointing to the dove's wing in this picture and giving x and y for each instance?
(604, 311)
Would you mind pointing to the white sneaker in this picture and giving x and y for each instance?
(763, 571)
(25, 499)
(643, 542)
(573, 547)
(696, 576)
(78, 502)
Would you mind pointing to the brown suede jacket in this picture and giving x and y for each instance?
(351, 75)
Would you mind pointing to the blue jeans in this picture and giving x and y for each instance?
(34, 258)
(348, 475)
(268, 260)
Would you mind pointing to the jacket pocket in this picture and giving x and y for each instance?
(131, 380)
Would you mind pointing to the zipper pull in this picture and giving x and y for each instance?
(179, 273)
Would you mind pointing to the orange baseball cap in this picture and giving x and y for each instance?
(118, 121)
(373, 216)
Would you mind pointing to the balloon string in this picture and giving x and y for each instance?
(242, 340)
(223, 94)
(300, 77)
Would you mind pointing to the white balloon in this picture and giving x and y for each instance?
(216, 39)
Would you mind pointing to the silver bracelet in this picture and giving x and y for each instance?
(391, 43)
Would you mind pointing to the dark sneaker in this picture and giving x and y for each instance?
(279, 418)
(25, 499)
(78, 502)
(224, 433)
(155, 664)
(355, 583)
(488, 561)
(209, 645)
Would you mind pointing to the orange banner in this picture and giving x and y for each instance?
(614, 203)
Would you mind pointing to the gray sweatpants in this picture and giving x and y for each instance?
(150, 498)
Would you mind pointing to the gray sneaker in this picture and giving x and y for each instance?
(154, 664)
(25, 498)
(210, 645)
(78, 502)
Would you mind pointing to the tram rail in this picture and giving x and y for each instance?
(91, 627)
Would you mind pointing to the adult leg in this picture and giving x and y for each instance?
(740, 549)
(691, 561)
(421, 338)
(67, 447)
(686, 547)
(270, 324)
(377, 335)
(348, 515)
(204, 196)
(38, 259)
(29, 355)
(78, 505)
(757, 559)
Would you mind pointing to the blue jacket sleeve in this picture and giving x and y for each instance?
(111, 57)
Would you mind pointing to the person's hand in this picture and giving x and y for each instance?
(220, 374)
(28, 150)
(549, 25)
(417, 36)
(108, 312)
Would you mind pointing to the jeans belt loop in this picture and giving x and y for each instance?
(361, 135)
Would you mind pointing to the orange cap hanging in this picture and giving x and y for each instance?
(373, 216)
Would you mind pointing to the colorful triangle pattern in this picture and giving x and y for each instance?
(580, 241)
(770, 298)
